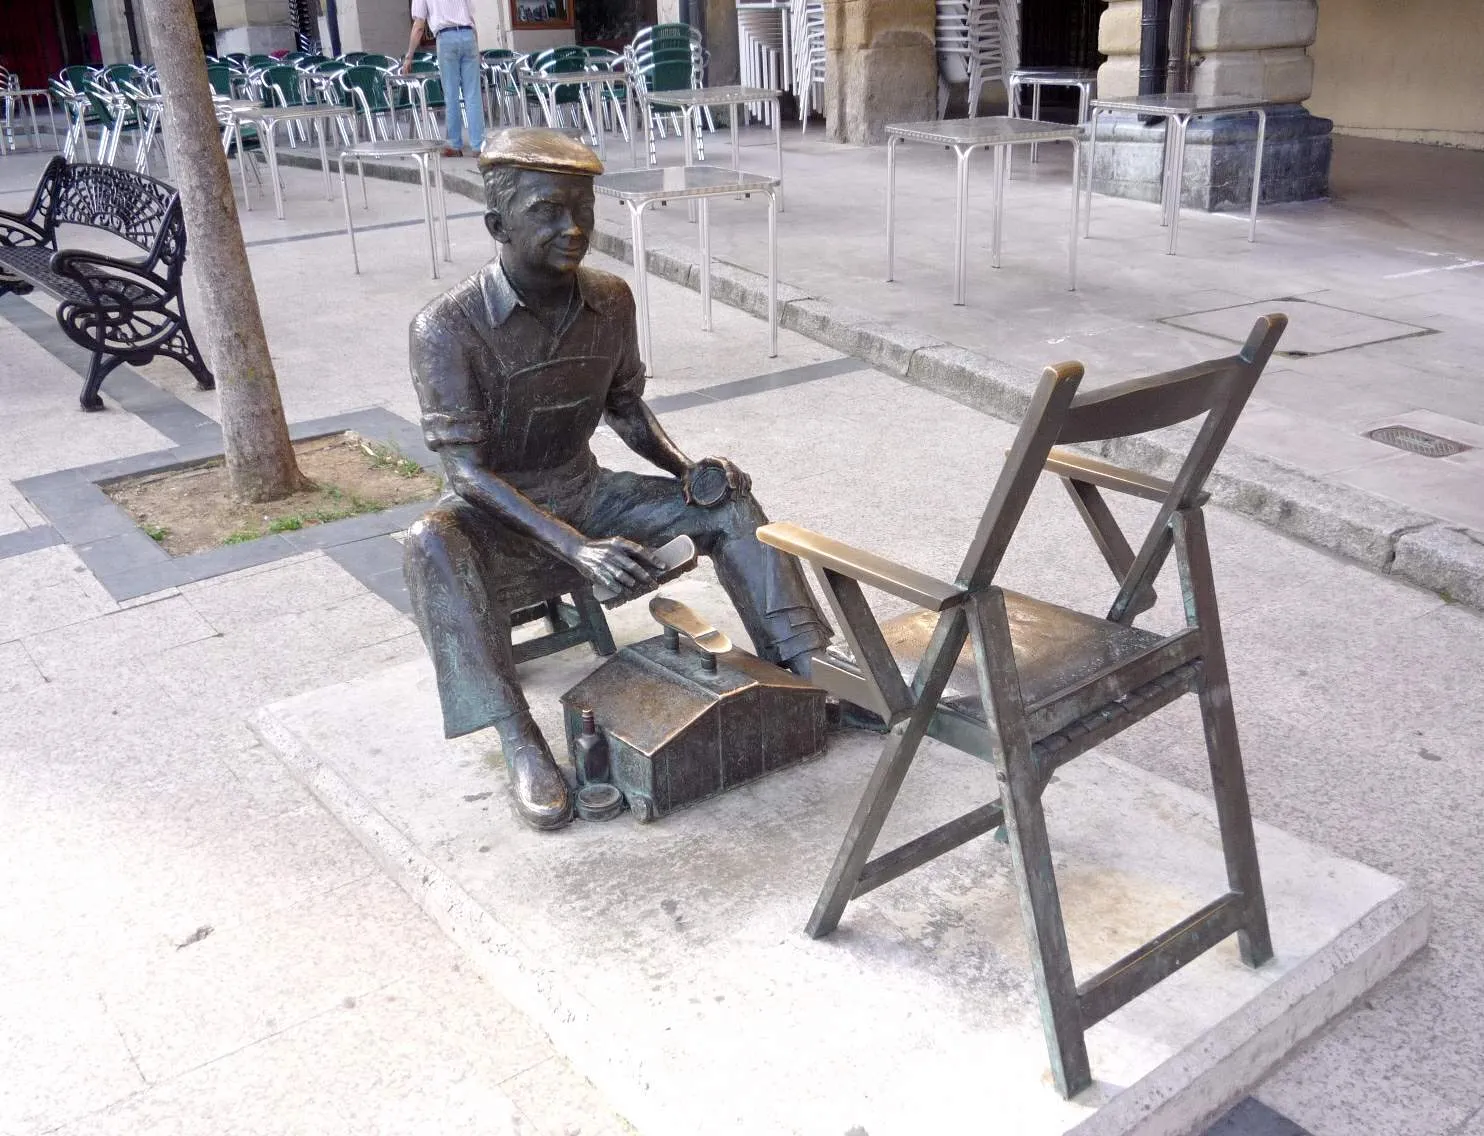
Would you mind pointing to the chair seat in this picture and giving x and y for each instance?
(1056, 648)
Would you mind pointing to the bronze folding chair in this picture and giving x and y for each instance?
(1039, 684)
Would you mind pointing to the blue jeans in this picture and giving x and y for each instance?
(458, 68)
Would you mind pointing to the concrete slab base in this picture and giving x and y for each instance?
(669, 964)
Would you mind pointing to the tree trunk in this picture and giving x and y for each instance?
(260, 458)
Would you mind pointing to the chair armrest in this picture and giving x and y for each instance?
(906, 583)
(1076, 467)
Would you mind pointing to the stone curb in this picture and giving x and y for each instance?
(1380, 534)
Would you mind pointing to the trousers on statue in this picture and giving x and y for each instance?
(467, 572)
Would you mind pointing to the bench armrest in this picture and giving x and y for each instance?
(907, 583)
(1076, 467)
(17, 231)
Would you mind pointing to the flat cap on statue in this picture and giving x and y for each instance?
(533, 148)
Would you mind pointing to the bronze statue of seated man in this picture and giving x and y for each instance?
(514, 369)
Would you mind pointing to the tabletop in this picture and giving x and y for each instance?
(664, 183)
(558, 78)
(306, 110)
(22, 92)
(394, 147)
(1188, 103)
(713, 96)
(1054, 75)
(995, 130)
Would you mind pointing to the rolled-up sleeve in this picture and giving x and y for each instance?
(628, 372)
(443, 374)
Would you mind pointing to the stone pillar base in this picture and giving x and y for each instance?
(1218, 159)
(255, 40)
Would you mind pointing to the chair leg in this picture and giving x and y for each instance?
(1030, 849)
(594, 621)
(1228, 778)
(891, 769)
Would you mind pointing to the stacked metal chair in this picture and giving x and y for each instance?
(809, 64)
(667, 57)
(760, 36)
(994, 45)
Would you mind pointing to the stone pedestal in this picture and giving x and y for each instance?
(668, 961)
(1255, 48)
(881, 66)
(1218, 159)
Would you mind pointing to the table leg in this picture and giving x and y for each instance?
(1262, 133)
(324, 155)
(641, 282)
(350, 228)
(688, 136)
(424, 176)
(999, 203)
(1035, 114)
(1076, 200)
(1169, 162)
(442, 204)
(1092, 165)
(704, 208)
(628, 110)
(1177, 180)
(361, 173)
(778, 146)
(31, 116)
(241, 164)
(961, 226)
(268, 133)
(773, 272)
(732, 112)
(891, 206)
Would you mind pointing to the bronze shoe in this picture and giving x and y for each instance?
(540, 791)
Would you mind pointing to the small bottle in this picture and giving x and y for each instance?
(590, 752)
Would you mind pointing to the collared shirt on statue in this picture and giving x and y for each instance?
(527, 396)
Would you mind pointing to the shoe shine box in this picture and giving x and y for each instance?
(682, 724)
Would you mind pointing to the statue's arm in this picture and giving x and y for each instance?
(500, 499)
(635, 423)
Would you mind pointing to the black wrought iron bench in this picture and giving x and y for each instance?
(123, 310)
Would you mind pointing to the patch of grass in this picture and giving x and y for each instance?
(385, 456)
(156, 533)
(347, 505)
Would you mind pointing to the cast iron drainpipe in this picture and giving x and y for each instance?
(1177, 70)
(1154, 27)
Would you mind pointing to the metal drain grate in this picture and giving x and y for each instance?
(1416, 441)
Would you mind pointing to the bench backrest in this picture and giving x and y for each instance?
(141, 210)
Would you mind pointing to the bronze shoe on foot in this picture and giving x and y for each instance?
(540, 791)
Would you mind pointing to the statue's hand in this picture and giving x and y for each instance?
(702, 482)
(616, 563)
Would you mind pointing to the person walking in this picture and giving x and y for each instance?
(452, 25)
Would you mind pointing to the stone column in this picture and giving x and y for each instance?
(254, 26)
(880, 66)
(1256, 48)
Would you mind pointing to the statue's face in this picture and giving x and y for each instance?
(547, 223)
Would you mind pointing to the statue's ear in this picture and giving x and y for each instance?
(494, 221)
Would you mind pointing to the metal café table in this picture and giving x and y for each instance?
(1178, 110)
(963, 136)
(267, 120)
(639, 189)
(1084, 80)
(427, 153)
(9, 96)
(585, 81)
(691, 99)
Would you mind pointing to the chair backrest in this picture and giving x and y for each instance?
(383, 62)
(77, 76)
(221, 77)
(1216, 390)
(284, 85)
(353, 57)
(369, 82)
